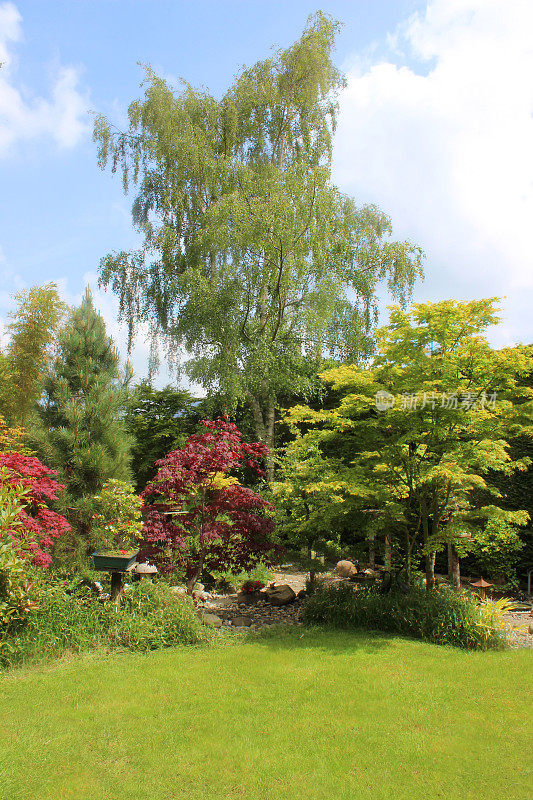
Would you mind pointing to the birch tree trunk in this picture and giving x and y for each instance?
(264, 430)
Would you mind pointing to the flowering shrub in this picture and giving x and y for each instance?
(117, 521)
(252, 586)
(34, 528)
(196, 516)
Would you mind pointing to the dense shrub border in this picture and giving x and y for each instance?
(441, 616)
(150, 617)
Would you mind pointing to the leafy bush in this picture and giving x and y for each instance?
(496, 548)
(261, 572)
(150, 617)
(15, 586)
(442, 616)
(117, 519)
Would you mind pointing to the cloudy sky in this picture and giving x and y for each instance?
(436, 127)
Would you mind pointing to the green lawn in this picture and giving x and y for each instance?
(327, 715)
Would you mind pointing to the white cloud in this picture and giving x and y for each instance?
(23, 116)
(440, 135)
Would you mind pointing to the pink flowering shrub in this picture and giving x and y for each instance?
(36, 527)
(197, 516)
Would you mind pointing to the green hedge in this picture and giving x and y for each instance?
(442, 616)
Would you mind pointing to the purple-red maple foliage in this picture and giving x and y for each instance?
(40, 526)
(195, 518)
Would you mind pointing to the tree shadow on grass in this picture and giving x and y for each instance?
(333, 641)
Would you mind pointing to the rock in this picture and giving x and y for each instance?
(371, 573)
(212, 620)
(199, 587)
(241, 621)
(345, 569)
(220, 600)
(180, 591)
(249, 598)
(280, 595)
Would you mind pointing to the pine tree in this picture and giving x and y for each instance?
(82, 433)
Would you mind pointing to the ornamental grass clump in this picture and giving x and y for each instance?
(441, 616)
(150, 617)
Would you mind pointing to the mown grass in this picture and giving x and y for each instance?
(298, 713)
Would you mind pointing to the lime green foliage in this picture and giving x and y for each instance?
(261, 572)
(81, 431)
(117, 522)
(149, 617)
(312, 494)
(305, 714)
(12, 440)
(443, 616)
(33, 329)
(410, 471)
(252, 259)
(496, 547)
(492, 613)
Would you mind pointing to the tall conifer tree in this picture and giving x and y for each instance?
(82, 432)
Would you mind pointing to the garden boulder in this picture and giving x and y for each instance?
(346, 569)
(241, 621)
(212, 620)
(280, 595)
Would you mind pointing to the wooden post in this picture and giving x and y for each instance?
(116, 588)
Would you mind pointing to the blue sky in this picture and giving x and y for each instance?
(436, 127)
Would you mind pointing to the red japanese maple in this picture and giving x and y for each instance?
(40, 526)
(195, 517)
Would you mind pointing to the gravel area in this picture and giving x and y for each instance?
(519, 622)
(260, 613)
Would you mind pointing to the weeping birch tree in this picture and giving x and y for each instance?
(253, 262)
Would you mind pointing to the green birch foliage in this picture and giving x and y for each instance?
(82, 433)
(32, 330)
(416, 468)
(252, 259)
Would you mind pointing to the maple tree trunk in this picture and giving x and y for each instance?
(387, 554)
(430, 571)
(430, 557)
(372, 551)
(189, 583)
(454, 567)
